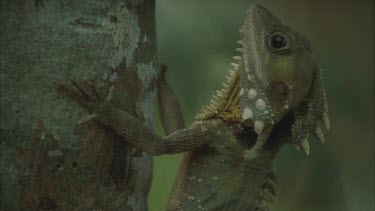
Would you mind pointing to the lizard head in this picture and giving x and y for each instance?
(278, 75)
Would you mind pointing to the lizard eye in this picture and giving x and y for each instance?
(279, 41)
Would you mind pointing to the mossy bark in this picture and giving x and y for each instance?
(47, 160)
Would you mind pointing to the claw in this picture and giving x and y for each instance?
(87, 119)
(319, 134)
(270, 187)
(272, 176)
(267, 196)
(297, 147)
(326, 120)
(110, 94)
(305, 146)
(83, 93)
(72, 94)
(93, 89)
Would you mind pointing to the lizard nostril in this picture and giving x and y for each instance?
(280, 90)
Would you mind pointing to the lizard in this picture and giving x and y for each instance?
(273, 96)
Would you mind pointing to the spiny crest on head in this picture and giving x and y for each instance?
(225, 103)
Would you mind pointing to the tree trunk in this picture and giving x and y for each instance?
(47, 160)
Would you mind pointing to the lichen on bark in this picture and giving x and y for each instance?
(47, 161)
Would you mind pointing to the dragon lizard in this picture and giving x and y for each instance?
(273, 95)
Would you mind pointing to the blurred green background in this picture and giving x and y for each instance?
(196, 39)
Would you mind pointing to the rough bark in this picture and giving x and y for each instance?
(47, 160)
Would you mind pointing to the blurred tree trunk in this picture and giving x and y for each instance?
(47, 161)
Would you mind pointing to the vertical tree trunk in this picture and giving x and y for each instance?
(47, 160)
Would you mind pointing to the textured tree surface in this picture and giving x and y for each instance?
(47, 160)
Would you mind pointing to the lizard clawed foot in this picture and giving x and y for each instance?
(110, 94)
(92, 102)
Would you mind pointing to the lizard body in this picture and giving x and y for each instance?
(274, 95)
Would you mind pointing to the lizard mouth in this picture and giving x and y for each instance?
(279, 133)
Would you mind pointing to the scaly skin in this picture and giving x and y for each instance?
(274, 96)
